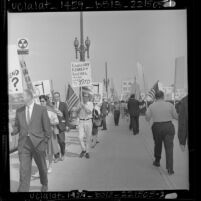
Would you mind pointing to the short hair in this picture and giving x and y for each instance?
(43, 97)
(132, 96)
(29, 92)
(159, 95)
(56, 92)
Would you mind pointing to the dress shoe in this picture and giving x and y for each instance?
(82, 154)
(56, 160)
(36, 175)
(44, 188)
(87, 155)
(49, 170)
(157, 164)
(170, 172)
(62, 158)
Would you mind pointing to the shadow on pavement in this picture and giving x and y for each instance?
(13, 185)
(71, 154)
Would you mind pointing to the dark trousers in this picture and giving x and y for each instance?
(164, 133)
(25, 158)
(116, 117)
(62, 144)
(134, 124)
(104, 122)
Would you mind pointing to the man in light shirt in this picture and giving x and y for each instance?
(162, 113)
(85, 124)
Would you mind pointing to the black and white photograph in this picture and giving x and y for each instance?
(98, 101)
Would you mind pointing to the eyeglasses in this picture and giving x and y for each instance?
(42, 101)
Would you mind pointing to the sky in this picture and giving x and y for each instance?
(120, 38)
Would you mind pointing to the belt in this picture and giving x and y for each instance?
(85, 119)
(162, 122)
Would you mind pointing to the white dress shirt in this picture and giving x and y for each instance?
(57, 105)
(83, 114)
(30, 107)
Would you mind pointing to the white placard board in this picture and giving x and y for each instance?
(81, 74)
(14, 71)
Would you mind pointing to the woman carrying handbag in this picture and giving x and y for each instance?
(96, 123)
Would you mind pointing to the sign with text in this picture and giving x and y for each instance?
(81, 74)
(43, 87)
(14, 71)
(97, 89)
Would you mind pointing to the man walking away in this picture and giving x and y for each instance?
(183, 122)
(162, 113)
(33, 124)
(116, 112)
(134, 112)
(104, 112)
(62, 113)
(85, 124)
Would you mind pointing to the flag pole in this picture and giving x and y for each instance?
(144, 89)
(174, 84)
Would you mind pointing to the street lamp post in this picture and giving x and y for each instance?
(83, 47)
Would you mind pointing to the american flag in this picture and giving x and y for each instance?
(153, 91)
(71, 98)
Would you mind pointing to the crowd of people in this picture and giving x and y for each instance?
(161, 113)
(42, 129)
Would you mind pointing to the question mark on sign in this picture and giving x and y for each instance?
(15, 80)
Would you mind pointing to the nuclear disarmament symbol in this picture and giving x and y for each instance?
(22, 43)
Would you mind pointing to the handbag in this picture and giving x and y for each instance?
(97, 122)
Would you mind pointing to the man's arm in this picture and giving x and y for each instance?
(182, 132)
(148, 114)
(16, 127)
(66, 116)
(174, 113)
(46, 124)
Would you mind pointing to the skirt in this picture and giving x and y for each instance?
(53, 146)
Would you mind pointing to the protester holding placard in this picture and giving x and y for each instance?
(85, 124)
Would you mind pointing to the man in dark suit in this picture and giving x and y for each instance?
(134, 111)
(63, 126)
(33, 125)
(104, 112)
(183, 122)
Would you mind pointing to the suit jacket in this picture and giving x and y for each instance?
(65, 119)
(133, 107)
(183, 121)
(104, 108)
(38, 129)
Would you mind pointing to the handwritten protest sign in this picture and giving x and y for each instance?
(81, 74)
(14, 71)
(97, 88)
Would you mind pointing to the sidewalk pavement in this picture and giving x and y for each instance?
(121, 161)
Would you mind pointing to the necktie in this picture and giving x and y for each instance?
(28, 115)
